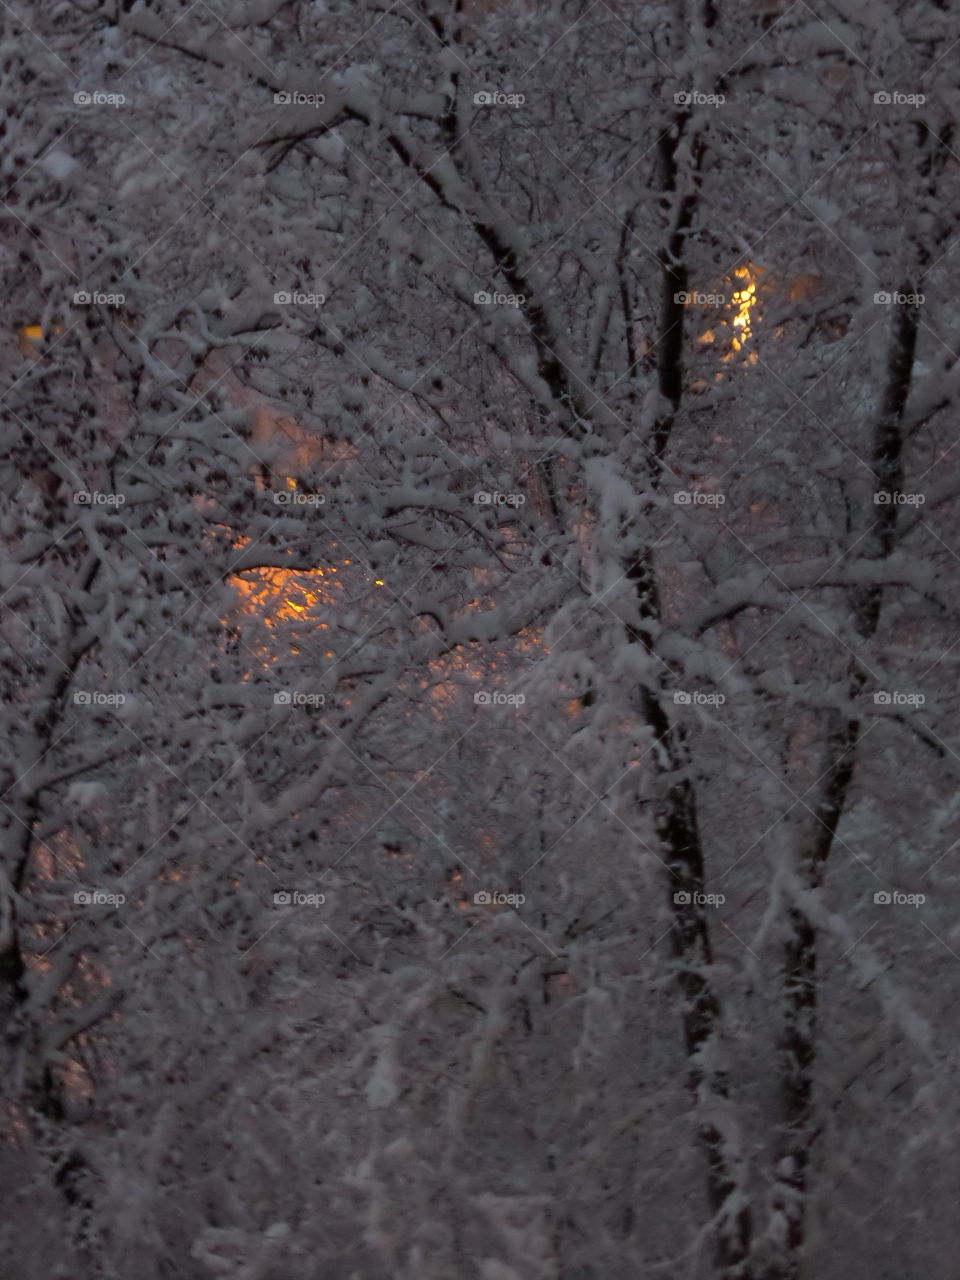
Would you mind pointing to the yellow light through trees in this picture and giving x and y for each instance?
(744, 299)
(282, 595)
(733, 331)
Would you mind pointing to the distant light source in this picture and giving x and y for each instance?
(31, 335)
(744, 299)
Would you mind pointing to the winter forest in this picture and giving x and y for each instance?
(479, 640)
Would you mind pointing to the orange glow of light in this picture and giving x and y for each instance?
(276, 595)
(744, 299)
(31, 335)
(280, 595)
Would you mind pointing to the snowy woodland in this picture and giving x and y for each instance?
(479, 641)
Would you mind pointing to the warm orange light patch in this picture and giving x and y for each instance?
(32, 335)
(744, 299)
(282, 595)
(737, 328)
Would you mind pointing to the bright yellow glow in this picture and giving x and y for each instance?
(739, 308)
(744, 299)
(282, 595)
